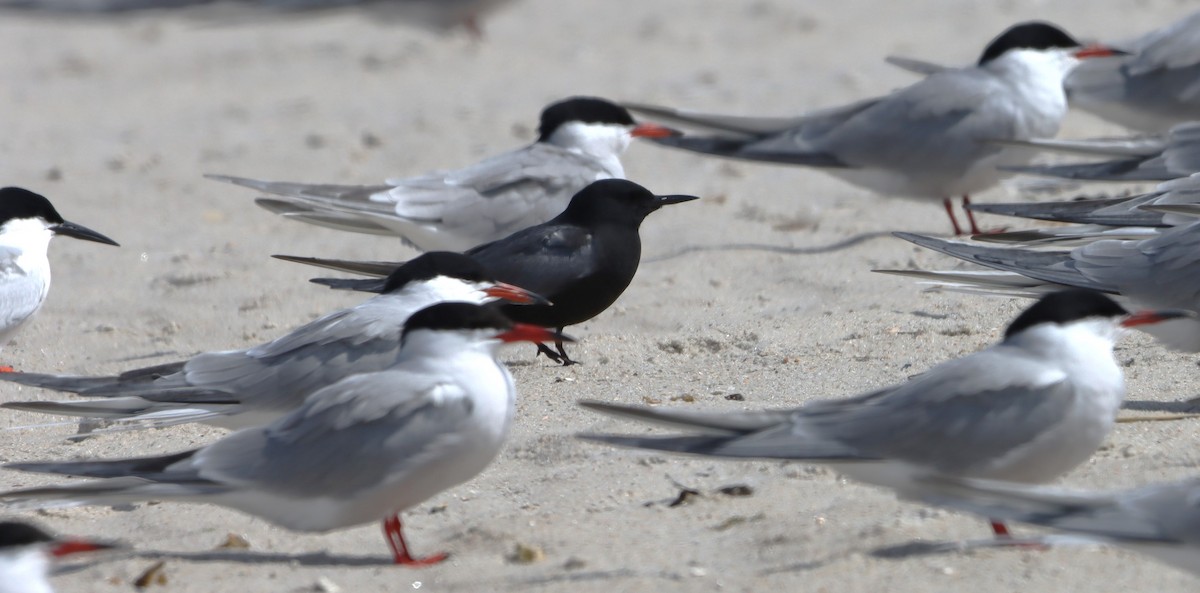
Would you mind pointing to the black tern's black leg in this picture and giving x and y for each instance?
(566, 360)
(552, 355)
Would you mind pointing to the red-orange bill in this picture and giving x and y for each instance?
(68, 547)
(526, 332)
(1098, 51)
(515, 294)
(1150, 317)
(653, 131)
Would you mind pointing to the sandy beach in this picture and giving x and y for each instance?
(116, 121)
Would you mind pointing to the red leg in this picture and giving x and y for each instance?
(1000, 529)
(950, 212)
(970, 214)
(394, 535)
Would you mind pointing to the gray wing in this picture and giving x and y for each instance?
(545, 259)
(1157, 86)
(1159, 272)
(732, 126)
(953, 416)
(768, 434)
(1049, 266)
(1178, 155)
(980, 415)
(278, 375)
(1165, 513)
(1123, 211)
(347, 437)
(504, 193)
(952, 116)
(768, 139)
(282, 372)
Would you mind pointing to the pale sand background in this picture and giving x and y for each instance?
(131, 113)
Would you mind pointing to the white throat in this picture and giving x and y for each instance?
(602, 142)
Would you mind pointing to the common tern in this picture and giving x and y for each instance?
(27, 223)
(580, 140)
(935, 139)
(360, 450)
(1163, 271)
(1028, 409)
(1151, 89)
(581, 261)
(1159, 520)
(26, 553)
(243, 388)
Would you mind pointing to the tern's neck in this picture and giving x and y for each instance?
(444, 345)
(602, 142)
(23, 244)
(1037, 79)
(1086, 344)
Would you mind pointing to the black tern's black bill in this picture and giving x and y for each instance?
(77, 231)
(675, 199)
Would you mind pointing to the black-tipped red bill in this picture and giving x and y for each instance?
(516, 294)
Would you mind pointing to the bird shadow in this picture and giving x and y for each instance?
(811, 250)
(920, 549)
(1177, 407)
(250, 557)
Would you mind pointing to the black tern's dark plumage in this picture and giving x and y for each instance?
(581, 260)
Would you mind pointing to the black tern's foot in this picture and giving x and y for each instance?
(560, 357)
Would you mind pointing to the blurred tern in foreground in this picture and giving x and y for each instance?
(581, 261)
(1160, 520)
(1142, 216)
(362, 449)
(1163, 271)
(580, 140)
(243, 388)
(1028, 409)
(26, 553)
(27, 223)
(1154, 87)
(1141, 158)
(932, 140)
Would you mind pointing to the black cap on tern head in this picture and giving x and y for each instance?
(1031, 35)
(616, 200)
(452, 316)
(15, 534)
(428, 266)
(589, 110)
(1064, 307)
(16, 202)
